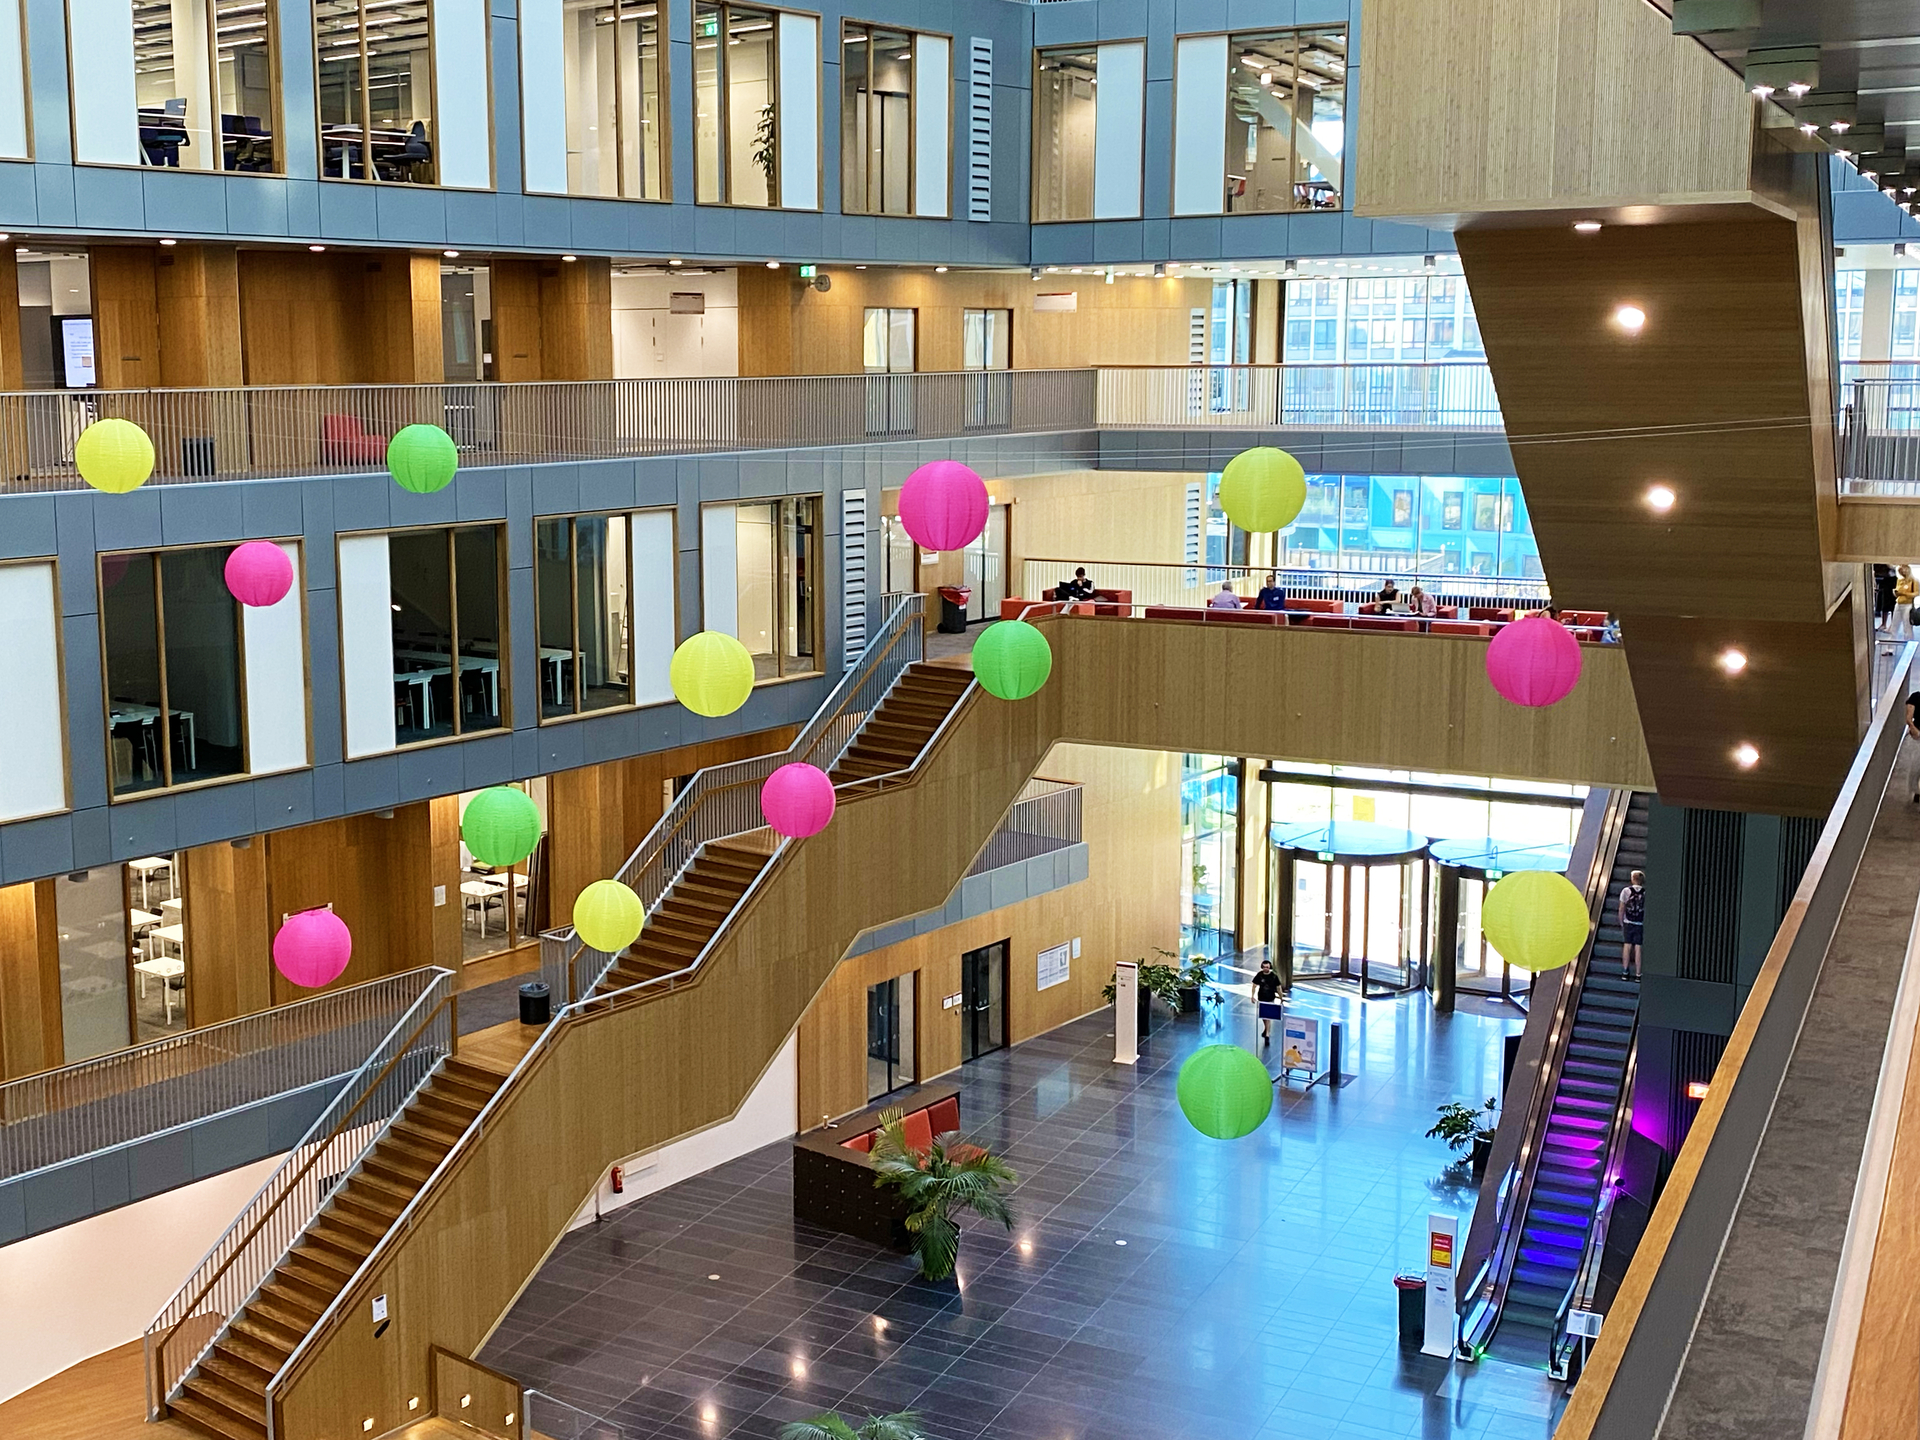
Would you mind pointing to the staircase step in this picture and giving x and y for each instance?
(215, 1418)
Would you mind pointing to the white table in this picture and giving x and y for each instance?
(482, 891)
(174, 911)
(165, 969)
(174, 935)
(147, 868)
(142, 921)
(558, 661)
(436, 663)
(126, 712)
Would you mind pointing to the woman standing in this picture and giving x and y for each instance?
(1905, 592)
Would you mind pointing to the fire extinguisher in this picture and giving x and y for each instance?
(619, 1180)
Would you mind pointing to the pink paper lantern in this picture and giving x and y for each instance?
(1534, 661)
(943, 506)
(797, 800)
(259, 573)
(312, 948)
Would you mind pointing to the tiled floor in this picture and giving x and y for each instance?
(1158, 1284)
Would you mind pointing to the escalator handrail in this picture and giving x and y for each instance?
(1587, 1278)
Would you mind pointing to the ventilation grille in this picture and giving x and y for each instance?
(980, 129)
(1196, 520)
(1710, 904)
(1695, 1057)
(853, 574)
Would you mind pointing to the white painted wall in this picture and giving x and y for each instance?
(543, 97)
(365, 582)
(33, 759)
(655, 607)
(97, 1284)
(769, 1113)
(464, 142)
(719, 569)
(649, 341)
(932, 105)
(799, 111)
(1200, 125)
(275, 640)
(1118, 136)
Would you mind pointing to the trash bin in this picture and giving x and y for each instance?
(953, 608)
(536, 1003)
(1413, 1307)
(197, 455)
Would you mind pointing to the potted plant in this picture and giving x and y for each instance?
(1191, 979)
(902, 1425)
(1470, 1128)
(950, 1177)
(1153, 982)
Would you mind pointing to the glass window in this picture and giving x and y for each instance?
(1063, 107)
(1906, 314)
(171, 633)
(876, 120)
(204, 83)
(91, 909)
(376, 89)
(584, 605)
(777, 560)
(616, 116)
(986, 339)
(736, 106)
(155, 891)
(1849, 303)
(1286, 120)
(1419, 525)
(887, 340)
(1209, 836)
(446, 603)
(1390, 320)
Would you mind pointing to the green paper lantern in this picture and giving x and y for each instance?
(711, 673)
(422, 458)
(113, 455)
(1536, 919)
(501, 826)
(1012, 659)
(1262, 489)
(607, 916)
(1224, 1091)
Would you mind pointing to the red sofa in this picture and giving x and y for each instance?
(344, 440)
(1105, 602)
(833, 1179)
(1460, 627)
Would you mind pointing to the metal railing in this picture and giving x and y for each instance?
(1159, 583)
(1439, 395)
(61, 1115)
(555, 1419)
(1045, 817)
(1567, 1351)
(1880, 435)
(246, 1254)
(724, 800)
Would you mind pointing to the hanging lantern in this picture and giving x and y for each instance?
(312, 948)
(797, 800)
(711, 673)
(113, 455)
(501, 826)
(1263, 489)
(1224, 1091)
(422, 458)
(1012, 659)
(1536, 919)
(259, 573)
(607, 916)
(1534, 661)
(943, 506)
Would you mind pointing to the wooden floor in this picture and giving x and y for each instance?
(99, 1399)
(499, 1047)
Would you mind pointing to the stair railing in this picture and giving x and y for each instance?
(1482, 1302)
(280, 1211)
(1566, 1352)
(724, 800)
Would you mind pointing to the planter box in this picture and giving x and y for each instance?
(833, 1178)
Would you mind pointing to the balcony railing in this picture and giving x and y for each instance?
(1046, 817)
(1880, 432)
(1450, 395)
(1153, 583)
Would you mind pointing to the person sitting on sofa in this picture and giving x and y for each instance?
(1078, 588)
(1226, 599)
(1272, 596)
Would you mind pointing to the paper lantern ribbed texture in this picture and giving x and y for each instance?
(797, 800)
(711, 673)
(501, 826)
(422, 458)
(943, 506)
(1535, 661)
(312, 948)
(608, 916)
(113, 455)
(259, 573)
(1263, 489)
(1012, 659)
(1536, 919)
(1224, 1091)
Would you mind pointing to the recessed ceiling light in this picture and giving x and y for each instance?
(1659, 499)
(451, 254)
(1586, 227)
(1630, 318)
(317, 249)
(1798, 88)
(169, 242)
(1839, 127)
(1733, 661)
(773, 264)
(1745, 756)
(1762, 91)
(675, 262)
(939, 269)
(569, 258)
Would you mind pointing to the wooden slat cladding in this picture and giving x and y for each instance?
(1709, 949)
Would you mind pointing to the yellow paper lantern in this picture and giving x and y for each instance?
(712, 673)
(1536, 919)
(113, 455)
(1263, 489)
(607, 916)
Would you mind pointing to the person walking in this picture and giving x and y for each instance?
(1266, 991)
(1882, 595)
(1633, 920)
(1905, 592)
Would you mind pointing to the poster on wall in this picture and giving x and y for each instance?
(1054, 965)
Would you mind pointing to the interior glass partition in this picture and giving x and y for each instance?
(736, 105)
(376, 101)
(448, 638)
(1286, 120)
(777, 548)
(616, 111)
(876, 120)
(1209, 854)
(1065, 94)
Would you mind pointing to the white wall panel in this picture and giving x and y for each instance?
(465, 139)
(366, 644)
(1199, 125)
(13, 84)
(276, 654)
(655, 592)
(100, 51)
(799, 112)
(33, 751)
(719, 570)
(543, 97)
(932, 140)
(1117, 133)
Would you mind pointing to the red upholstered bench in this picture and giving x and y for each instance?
(344, 439)
(1316, 607)
(833, 1178)
(1245, 617)
(1386, 622)
(1594, 618)
(1174, 612)
(1446, 612)
(1459, 627)
(1112, 602)
(1330, 622)
(1488, 612)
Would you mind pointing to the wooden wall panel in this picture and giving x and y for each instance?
(576, 318)
(30, 1021)
(366, 318)
(229, 941)
(1082, 515)
(516, 319)
(12, 370)
(197, 296)
(126, 316)
(443, 824)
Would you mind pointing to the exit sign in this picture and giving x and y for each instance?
(807, 272)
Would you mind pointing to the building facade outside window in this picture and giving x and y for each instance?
(1400, 319)
(1412, 525)
(759, 581)
(1849, 305)
(1209, 853)
(1286, 120)
(616, 99)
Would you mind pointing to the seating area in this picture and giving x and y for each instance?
(1331, 615)
(345, 440)
(833, 1177)
(1104, 602)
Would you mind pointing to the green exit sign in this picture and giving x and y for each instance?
(807, 272)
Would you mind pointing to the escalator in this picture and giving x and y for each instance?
(1555, 1200)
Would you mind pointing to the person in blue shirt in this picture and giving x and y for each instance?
(1272, 596)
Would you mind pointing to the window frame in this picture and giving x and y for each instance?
(816, 558)
(723, 101)
(913, 118)
(663, 25)
(573, 607)
(60, 673)
(1295, 31)
(371, 177)
(1033, 157)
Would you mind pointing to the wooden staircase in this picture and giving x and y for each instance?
(693, 909)
(899, 729)
(225, 1394)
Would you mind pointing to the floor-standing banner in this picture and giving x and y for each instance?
(1126, 1013)
(1442, 1231)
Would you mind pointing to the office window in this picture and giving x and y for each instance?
(1064, 100)
(204, 84)
(1906, 316)
(895, 94)
(1286, 120)
(759, 567)
(445, 590)
(582, 594)
(1849, 304)
(376, 96)
(615, 99)
(736, 105)
(887, 340)
(986, 339)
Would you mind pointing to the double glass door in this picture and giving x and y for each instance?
(986, 567)
(889, 1036)
(983, 1000)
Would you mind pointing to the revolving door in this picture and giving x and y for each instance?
(1349, 902)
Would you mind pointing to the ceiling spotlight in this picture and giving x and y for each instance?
(773, 264)
(1761, 91)
(1733, 661)
(1034, 273)
(1659, 499)
(1798, 88)
(317, 249)
(569, 258)
(1630, 318)
(1266, 77)
(451, 254)
(169, 242)
(859, 267)
(676, 262)
(1428, 263)
(1745, 756)
(1839, 127)
(1586, 227)
(1109, 275)
(939, 269)
(1809, 129)
(1843, 154)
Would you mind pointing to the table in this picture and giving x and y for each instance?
(128, 712)
(147, 868)
(174, 910)
(432, 663)
(558, 661)
(482, 891)
(143, 920)
(174, 935)
(164, 969)
(422, 680)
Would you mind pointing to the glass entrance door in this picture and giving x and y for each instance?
(983, 1000)
(986, 567)
(889, 1035)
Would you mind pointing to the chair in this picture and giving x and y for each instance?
(1459, 627)
(1174, 612)
(1243, 617)
(344, 440)
(416, 149)
(1488, 612)
(1386, 622)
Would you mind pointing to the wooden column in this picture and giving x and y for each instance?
(229, 939)
(30, 1034)
(12, 375)
(448, 916)
(516, 319)
(766, 323)
(401, 320)
(126, 316)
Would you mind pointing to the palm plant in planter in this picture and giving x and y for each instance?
(1462, 1126)
(903, 1425)
(951, 1177)
(1160, 982)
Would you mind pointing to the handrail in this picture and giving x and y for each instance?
(266, 1207)
(1300, 581)
(1586, 1279)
